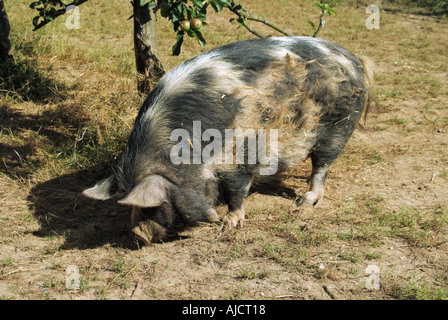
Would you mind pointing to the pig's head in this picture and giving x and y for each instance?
(160, 207)
(151, 200)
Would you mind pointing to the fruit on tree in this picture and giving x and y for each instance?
(185, 25)
(196, 24)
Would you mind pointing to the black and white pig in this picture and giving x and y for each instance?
(303, 95)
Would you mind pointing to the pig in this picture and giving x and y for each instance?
(304, 95)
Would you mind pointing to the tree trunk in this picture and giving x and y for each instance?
(5, 44)
(149, 67)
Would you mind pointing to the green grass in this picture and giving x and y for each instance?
(415, 288)
(414, 226)
(436, 7)
(24, 81)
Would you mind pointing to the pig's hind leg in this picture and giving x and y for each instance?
(327, 149)
(315, 194)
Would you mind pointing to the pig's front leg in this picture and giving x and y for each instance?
(235, 190)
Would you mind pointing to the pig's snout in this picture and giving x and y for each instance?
(148, 225)
(149, 231)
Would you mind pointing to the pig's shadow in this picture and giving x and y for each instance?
(275, 188)
(62, 210)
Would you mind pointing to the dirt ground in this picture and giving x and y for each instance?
(380, 233)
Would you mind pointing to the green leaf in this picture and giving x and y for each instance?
(176, 48)
(144, 2)
(180, 7)
(241, 22)
(227, 3)
(198, 3)
(312, 24)
(201, 39)
(216, 4)
(34, 4)
(35, 21)
(165, 9)
(175, 18)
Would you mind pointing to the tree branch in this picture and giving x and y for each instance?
(244, 23)
(321, 23)
(270, 24)
(59, 13)
(244, 15)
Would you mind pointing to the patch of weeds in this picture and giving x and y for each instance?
(122, 266)
(416, 289)
(250, 274)
(287, 241)
(84, 283)
(345, 236)
(402, 123)
(396, 121)
(288, 255)
(433, 87)
(7, 262)
(378, 127)
(393, 93)
(150, 270)
(4, 264)
(416, 227)
(52, 249)
(350, 256)
(318, 273)
(24, 81)
(374, 157)
(120, 282)
(48, 284)
(372, 255)
(235, 294)
(48, 287)
(439, 220)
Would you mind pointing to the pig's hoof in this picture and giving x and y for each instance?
(212, 215)
(311, 198)
(234, 219)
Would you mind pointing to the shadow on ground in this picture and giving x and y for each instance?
(62, 210)
(23, 80)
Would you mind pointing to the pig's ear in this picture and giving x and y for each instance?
(151, 191)
(103, 190)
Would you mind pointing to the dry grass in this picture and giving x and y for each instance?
(66, 111)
